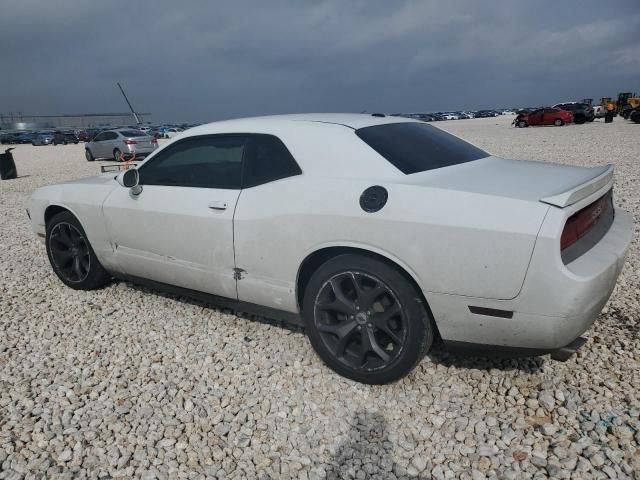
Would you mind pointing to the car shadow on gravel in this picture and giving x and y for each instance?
(441, 356)
(367, 449)
(438, 353)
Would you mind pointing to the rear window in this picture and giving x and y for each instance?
(417, 147)
(132, 133)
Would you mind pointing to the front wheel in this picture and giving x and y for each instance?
(522, 124)
(365, 319)
(88, 155)
(558, 122)
(71, 256)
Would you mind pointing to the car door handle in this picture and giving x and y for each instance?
(218, 205)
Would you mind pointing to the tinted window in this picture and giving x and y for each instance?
(132, 133)
(550, 110)
(267, 159)
(99, 137)
(206, 162)
(417, 147)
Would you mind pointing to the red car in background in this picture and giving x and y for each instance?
(544, 116)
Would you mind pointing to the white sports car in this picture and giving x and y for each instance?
(377, 233)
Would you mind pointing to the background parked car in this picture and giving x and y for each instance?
(63, 138)
(115, 143)
(42, 138)
(544, 116)
(582, 112)
(9, 138)
(599, 111)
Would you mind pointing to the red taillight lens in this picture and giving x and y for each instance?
(154, 140)
(130, 142)
(583, 220)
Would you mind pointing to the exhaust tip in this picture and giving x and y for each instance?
(565, 353)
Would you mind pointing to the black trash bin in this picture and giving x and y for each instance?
(7, 165)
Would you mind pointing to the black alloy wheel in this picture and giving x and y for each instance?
(360, 321)
(70, 252)
(365, 320)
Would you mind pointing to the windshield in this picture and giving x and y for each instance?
(417, 147)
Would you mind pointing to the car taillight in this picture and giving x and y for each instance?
(130, 142)
(579, 224)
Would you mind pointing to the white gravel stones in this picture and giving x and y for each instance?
(125, 382)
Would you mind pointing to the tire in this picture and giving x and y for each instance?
(33, 144)
(117, 155)
(558, 122)
(386, 312)
(522, 124)
(71, 256)
(88, 155)
(591, 119)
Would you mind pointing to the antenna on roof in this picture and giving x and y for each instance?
(135, 115)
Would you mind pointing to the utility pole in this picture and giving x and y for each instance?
(135, 115)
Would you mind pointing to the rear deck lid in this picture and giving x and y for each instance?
(550, 183)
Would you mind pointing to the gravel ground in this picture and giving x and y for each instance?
(125, 382)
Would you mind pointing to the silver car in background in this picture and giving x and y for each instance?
(120, 144)
(42, 138)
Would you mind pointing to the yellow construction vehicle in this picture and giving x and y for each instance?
(602, 107)
(627, 101)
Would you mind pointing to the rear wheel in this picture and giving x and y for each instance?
(558, 122)
(365, 319)
(88, 155)
(70, 254)
(117, 155)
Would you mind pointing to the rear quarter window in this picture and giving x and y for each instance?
(418, 147)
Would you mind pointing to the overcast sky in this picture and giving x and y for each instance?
(206, 60)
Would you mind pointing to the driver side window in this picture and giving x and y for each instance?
(210, 161)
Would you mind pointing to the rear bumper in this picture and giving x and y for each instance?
(140, 151)
(557, 302)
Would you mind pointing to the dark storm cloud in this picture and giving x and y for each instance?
(202, 60)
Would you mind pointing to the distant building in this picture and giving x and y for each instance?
(18, 121)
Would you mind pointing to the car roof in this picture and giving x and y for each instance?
(349, 120)
(318, 141)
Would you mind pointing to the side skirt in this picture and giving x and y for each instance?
(215, 300)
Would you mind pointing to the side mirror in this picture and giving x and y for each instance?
(130, 179)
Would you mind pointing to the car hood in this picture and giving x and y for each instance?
(551, 183)
(101, 179)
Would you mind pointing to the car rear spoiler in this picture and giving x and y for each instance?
(602, 176)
